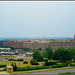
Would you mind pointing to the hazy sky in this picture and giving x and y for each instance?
(37, 19)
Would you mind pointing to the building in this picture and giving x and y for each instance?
(21, 52)
(37, 44)
(28, 54)
(5, 48)
(7, 52)
(43, 44)
(13, 44)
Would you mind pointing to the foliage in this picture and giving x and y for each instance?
(14, 67)
(15, 59)
(59, 65)
(4, 69)
(12, 60)
(31, 61)
(72, 64)
(32, 68)
(72, 51)
(45, 60)
(37, 56)
(48, 49)
(12, 48)
(67, 73)
(44, 54)
(50, 63)
(34, 62)
(25, 62)
(12, 64)
(62, 55)
(49, 53)
(39, 49)
(26, 49)
(2, 66)
(19, 59)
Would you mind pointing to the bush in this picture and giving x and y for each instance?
(19, 59)
(72, 64)
(15, 59)
(59, 65)
(50, 63)
(25, 62)
(2, 66)
(31, 61)
(4, 69)
(35, 63)
(45, 60)
(12, 60)
(14, 67)
(32, 68)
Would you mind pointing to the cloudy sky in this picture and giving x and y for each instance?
(37, 19)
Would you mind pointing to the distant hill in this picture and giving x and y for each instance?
(33, 38)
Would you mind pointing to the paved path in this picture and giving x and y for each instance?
(3, 73)
(49, 72)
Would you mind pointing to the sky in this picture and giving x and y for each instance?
(37, 19)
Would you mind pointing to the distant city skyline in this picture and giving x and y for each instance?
(37, 19)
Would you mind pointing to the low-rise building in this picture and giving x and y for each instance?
(28, 54)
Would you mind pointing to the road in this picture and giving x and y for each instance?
(49, 72)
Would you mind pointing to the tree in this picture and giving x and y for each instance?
(62, 55)
(14, 67)
(12, 64)
(12, 48)
(44, 54)
(37, 56)
(49, 54)
(72, 51)
(25, 49)
(48, 49)
(39, 49)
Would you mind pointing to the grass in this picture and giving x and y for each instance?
(67, 73)
(20, 63)
(8, 56)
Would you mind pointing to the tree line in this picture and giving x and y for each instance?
(60, 54)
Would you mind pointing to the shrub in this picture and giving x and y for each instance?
(35, 63)
(32, 68)
(2, 66)
(31, 61)
(4, 69)
(19, 59)
(59, 65)
(12, 60)
(50, 63)
(72, 64)
(15, 59)
(14, 67)
(45, 60)
(25, 62)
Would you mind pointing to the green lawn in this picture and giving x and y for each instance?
(67, 73)
(20, 63)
